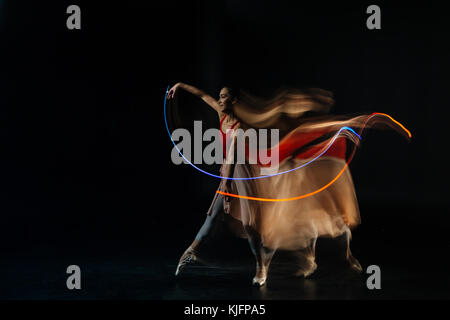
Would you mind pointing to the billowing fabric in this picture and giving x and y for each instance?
(305, 132)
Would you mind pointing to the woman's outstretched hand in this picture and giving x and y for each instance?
(173, 90)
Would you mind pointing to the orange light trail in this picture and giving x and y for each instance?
(287, 199)
(329, 183)
(393, 120)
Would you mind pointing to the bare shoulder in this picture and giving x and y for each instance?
(233, 119)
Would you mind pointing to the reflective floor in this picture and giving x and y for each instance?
(150, 275)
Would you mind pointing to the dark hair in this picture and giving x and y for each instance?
(233, 91)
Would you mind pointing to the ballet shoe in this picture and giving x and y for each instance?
(187, 258)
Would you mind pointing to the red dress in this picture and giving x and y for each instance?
(225, 136)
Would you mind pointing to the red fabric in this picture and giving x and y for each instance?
(296, 141)
(224, 137)
(292, 143)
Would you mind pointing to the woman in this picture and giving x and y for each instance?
(227, 98)
(314, 198)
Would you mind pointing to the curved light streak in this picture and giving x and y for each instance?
(329, 183)
(328, 146)
(279, 173)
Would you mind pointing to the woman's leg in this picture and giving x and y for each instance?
(210, 223)
(262, 254)
(207, 229)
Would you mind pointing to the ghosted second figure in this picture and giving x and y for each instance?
(310, 195)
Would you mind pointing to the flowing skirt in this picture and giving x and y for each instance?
(293, 224)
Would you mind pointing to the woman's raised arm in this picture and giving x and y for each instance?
(199, 93)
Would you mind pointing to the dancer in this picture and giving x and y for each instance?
(228, 96)
(287, 211)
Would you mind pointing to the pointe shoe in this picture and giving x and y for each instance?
(259, 282)
(260, 278)
(311, 270)
(188, 257)
(354, 264)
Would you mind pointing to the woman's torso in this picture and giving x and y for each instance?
(227, 123)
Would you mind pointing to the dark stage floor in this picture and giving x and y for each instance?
(142, 274)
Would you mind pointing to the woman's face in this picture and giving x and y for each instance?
(225, 100)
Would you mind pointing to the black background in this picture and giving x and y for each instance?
(86, 167)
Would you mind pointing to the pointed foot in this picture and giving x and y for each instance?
(187, 258)
(259, 282)
(308, 269)
(354, 264)
(311, 270)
